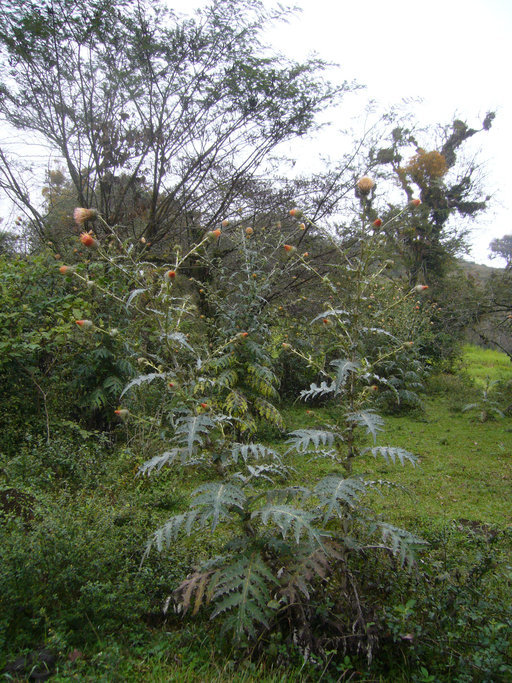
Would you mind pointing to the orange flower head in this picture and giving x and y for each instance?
(415, 202)
(171, 274)
(326, 321)
(302, 226)
(225, 223)
(365, 185)
(244, 334)
(377, 223)
(81, 215)
(374, 387)
(285, 346)
(170, 385)
(215, 234)
(249, 231)
(204, 405)
(295, 213)
(421, 288)
(88, 240)
(305, 254)
(84, 324)
(288, 248)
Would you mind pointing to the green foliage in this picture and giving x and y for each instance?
(487, 406)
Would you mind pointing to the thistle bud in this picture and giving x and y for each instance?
(420, 288)
(295, 213)
(285, 346)
(66, 270)
(377, 223)
(225, 223)
(415, 202)
(249, 231)
(288, 248)
(215, 234)
(88, 240)
(81, 215)
(84, 324)
(171, 274)
(122, 412)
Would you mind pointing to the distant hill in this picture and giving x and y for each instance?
(477, 270)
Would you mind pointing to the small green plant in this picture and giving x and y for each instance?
(487, 406)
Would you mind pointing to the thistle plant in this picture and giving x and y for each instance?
(278, 538)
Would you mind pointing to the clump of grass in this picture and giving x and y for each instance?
(484, 365)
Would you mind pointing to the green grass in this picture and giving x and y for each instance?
(483, 364)
(464, 472)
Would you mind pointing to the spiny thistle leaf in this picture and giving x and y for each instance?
(410, 397)
(253, 450)
(163, 536)
(378, 330)
(262, 472)
(195, 583)
(344, 368)
(297, 578)
(334, 492)
(159, 461)
(132, 296)
(242, 590)
(215, 501)
(302, 439)
(191, 429)
(403, 543)
(290, 519)
(315, 390)
(287, 494)
(137, 381)
(391, 453)
(326, 314)
(368, 419)
(181, 339)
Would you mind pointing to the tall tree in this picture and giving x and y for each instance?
(161, 122)
(449, 189)
(502, 247)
